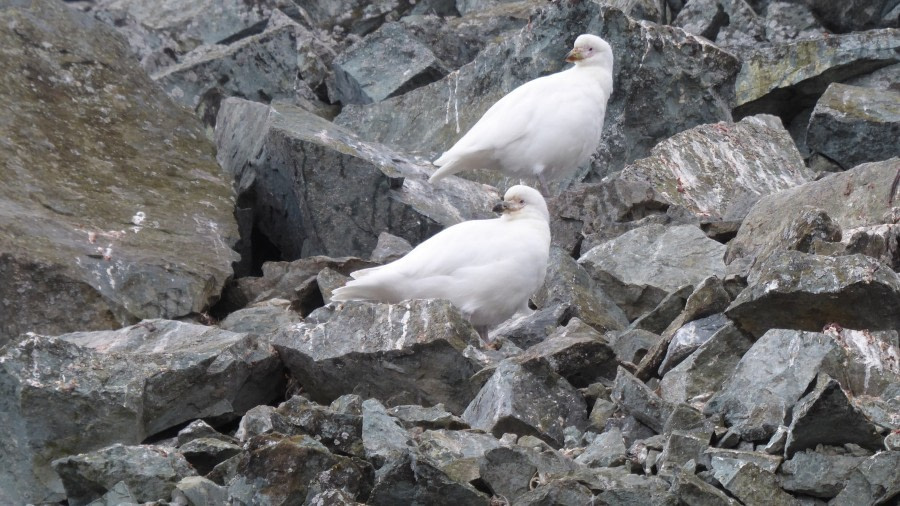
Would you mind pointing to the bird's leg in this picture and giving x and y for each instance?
(483, 335)
(543, 182)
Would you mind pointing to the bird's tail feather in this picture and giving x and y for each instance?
(446, 168)
(362, 290)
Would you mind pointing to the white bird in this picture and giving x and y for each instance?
(545, 128)
(486, 268)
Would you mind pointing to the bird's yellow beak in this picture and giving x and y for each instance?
(574, 55)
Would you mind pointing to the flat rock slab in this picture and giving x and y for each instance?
(639, 401)
(817, 474)
(874, 481)
(408, 353)
(95, 217)
(719, 170)
(319, 190)
(807, 292)
(578, 353)
(851, 125)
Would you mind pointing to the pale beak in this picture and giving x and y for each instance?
(574, 55)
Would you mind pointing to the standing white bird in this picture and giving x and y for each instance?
(486, 268)
(545, 128)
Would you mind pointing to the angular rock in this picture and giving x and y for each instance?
(558, 493)
(787, 21)
(718, 171)
(695, 492)
(99, 227)
(807, 292)
(373, 70)
(752, 485)
(314, 188)
(704, 370)
(875, 481)
(206, 453)
(150, 472)
(408, 353)
(606, 450)
(411, 481)
(665, 312)
(263, 319)
(632, 345)
(119, 494)
(524, 330)
(527, 398)
(578, 353)
(785, 78)
(200, 429)
(856, 198)
(256, 421)
(434, 417)
(637, 116)
(691, 337)
(638, 400)
(199, 491)
(339, 432)
(569, 287)
(638, 268)
(816, 474)
(119, 397)
(851, 125)
(850, 16)
(510, 471)
(826, 416)
(383, 437)
(727, 22)
(389, 248)
(458, 453)
(681, 447)
(724, 462)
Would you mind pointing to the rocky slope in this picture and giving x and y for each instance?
(185, 183)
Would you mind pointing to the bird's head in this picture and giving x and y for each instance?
(591, 50)
(523, 201)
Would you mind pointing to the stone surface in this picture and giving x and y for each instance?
(407, 353)
(851, 125)
(199, 491)
(384, 439)
(817, 474)
(389, 248)
(638, 268)
(874, 481)
(691, 337)
(527, 399)
(206, 453)
(578, 353)
(373, 69)
(284, 161)
(718, 171)
(149, 472)
(606, 450)
(410, 481)
(681, 447)
(435, 417)
(638, 400)
(807, 292)
(99, 226)
(752, 485)
(850, 16)
(693, 491)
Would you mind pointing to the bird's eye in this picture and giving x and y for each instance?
(521, 201)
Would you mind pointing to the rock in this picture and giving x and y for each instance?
(706, 369)
(849, 16)
(411, 481)
(263, 319)
(284, 151)
(458, 453)
(389, 248)
(785, 78)
(383, 437)
(638, 268)
(851, 125)
(206, 453)
(329, 280)
(357, 17)
(851, 199)
(373, 70)
(568, 287)
(339, 432)
(353, 479)
(440, 112)
(557, 492)
(816, 474)
(681, 447)
(718, 171)
(406, 353)
(200, 429)
(807, 292)
(510, 471)
(578, 353)
(117, 495)
(724, 462)
(632, 345)
(432, 418)
(524, 330)
(727, 22)
(690, 337)
(606, 450)
(199, 491)
(826, 416)
(665, 312)
(84, 243)
(787, 21)
(333, 498)
(601, 412)
(638, 400)
(120, 397)
(686, 418)
(527, 398)
(695, 492)
(256, 421)
(150, 472)
(752, 485)
(874, 481)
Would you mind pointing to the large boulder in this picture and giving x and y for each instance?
(99, 226)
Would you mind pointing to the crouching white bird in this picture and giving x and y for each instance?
(545, 128)
(487, 268)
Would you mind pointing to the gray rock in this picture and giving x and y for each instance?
(851, 16)
(408, 353)
(578, 353)
(74, 254)
(632, 345)
(199, 429)
(638, 400)
(637, 116)
(606, 450)
(557, 493)
(705, 370)
(150, 472)
(339, 432)
(384, 439)
(334, 497)
(844, 197)
(874, 481)
(511, 471)
(199, 491)
(787, 21)
(817, 474)
(776, 443)
(328, 280)
(389, 248)
(354, 479)
(256, 421)
(691, 337)
(458, 453)
(524, 330)
(752, 485)
(727, 22)
(357, 17)
(206, 453)
(435, 417)
(119, 495)
(665, 312)
(724, 462)
(601, 412)
(283, 151)
(695, 492)
(792, 75)
(408, 480)
(681, 447)
(638, 268)
(826, 416)
(373, 69)
(879, 241)
(568, 287)
(685, 417)
(885, 78)
(851, 125)
(527, 398)
(717, 171)
(807, 292)
(262, 319)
